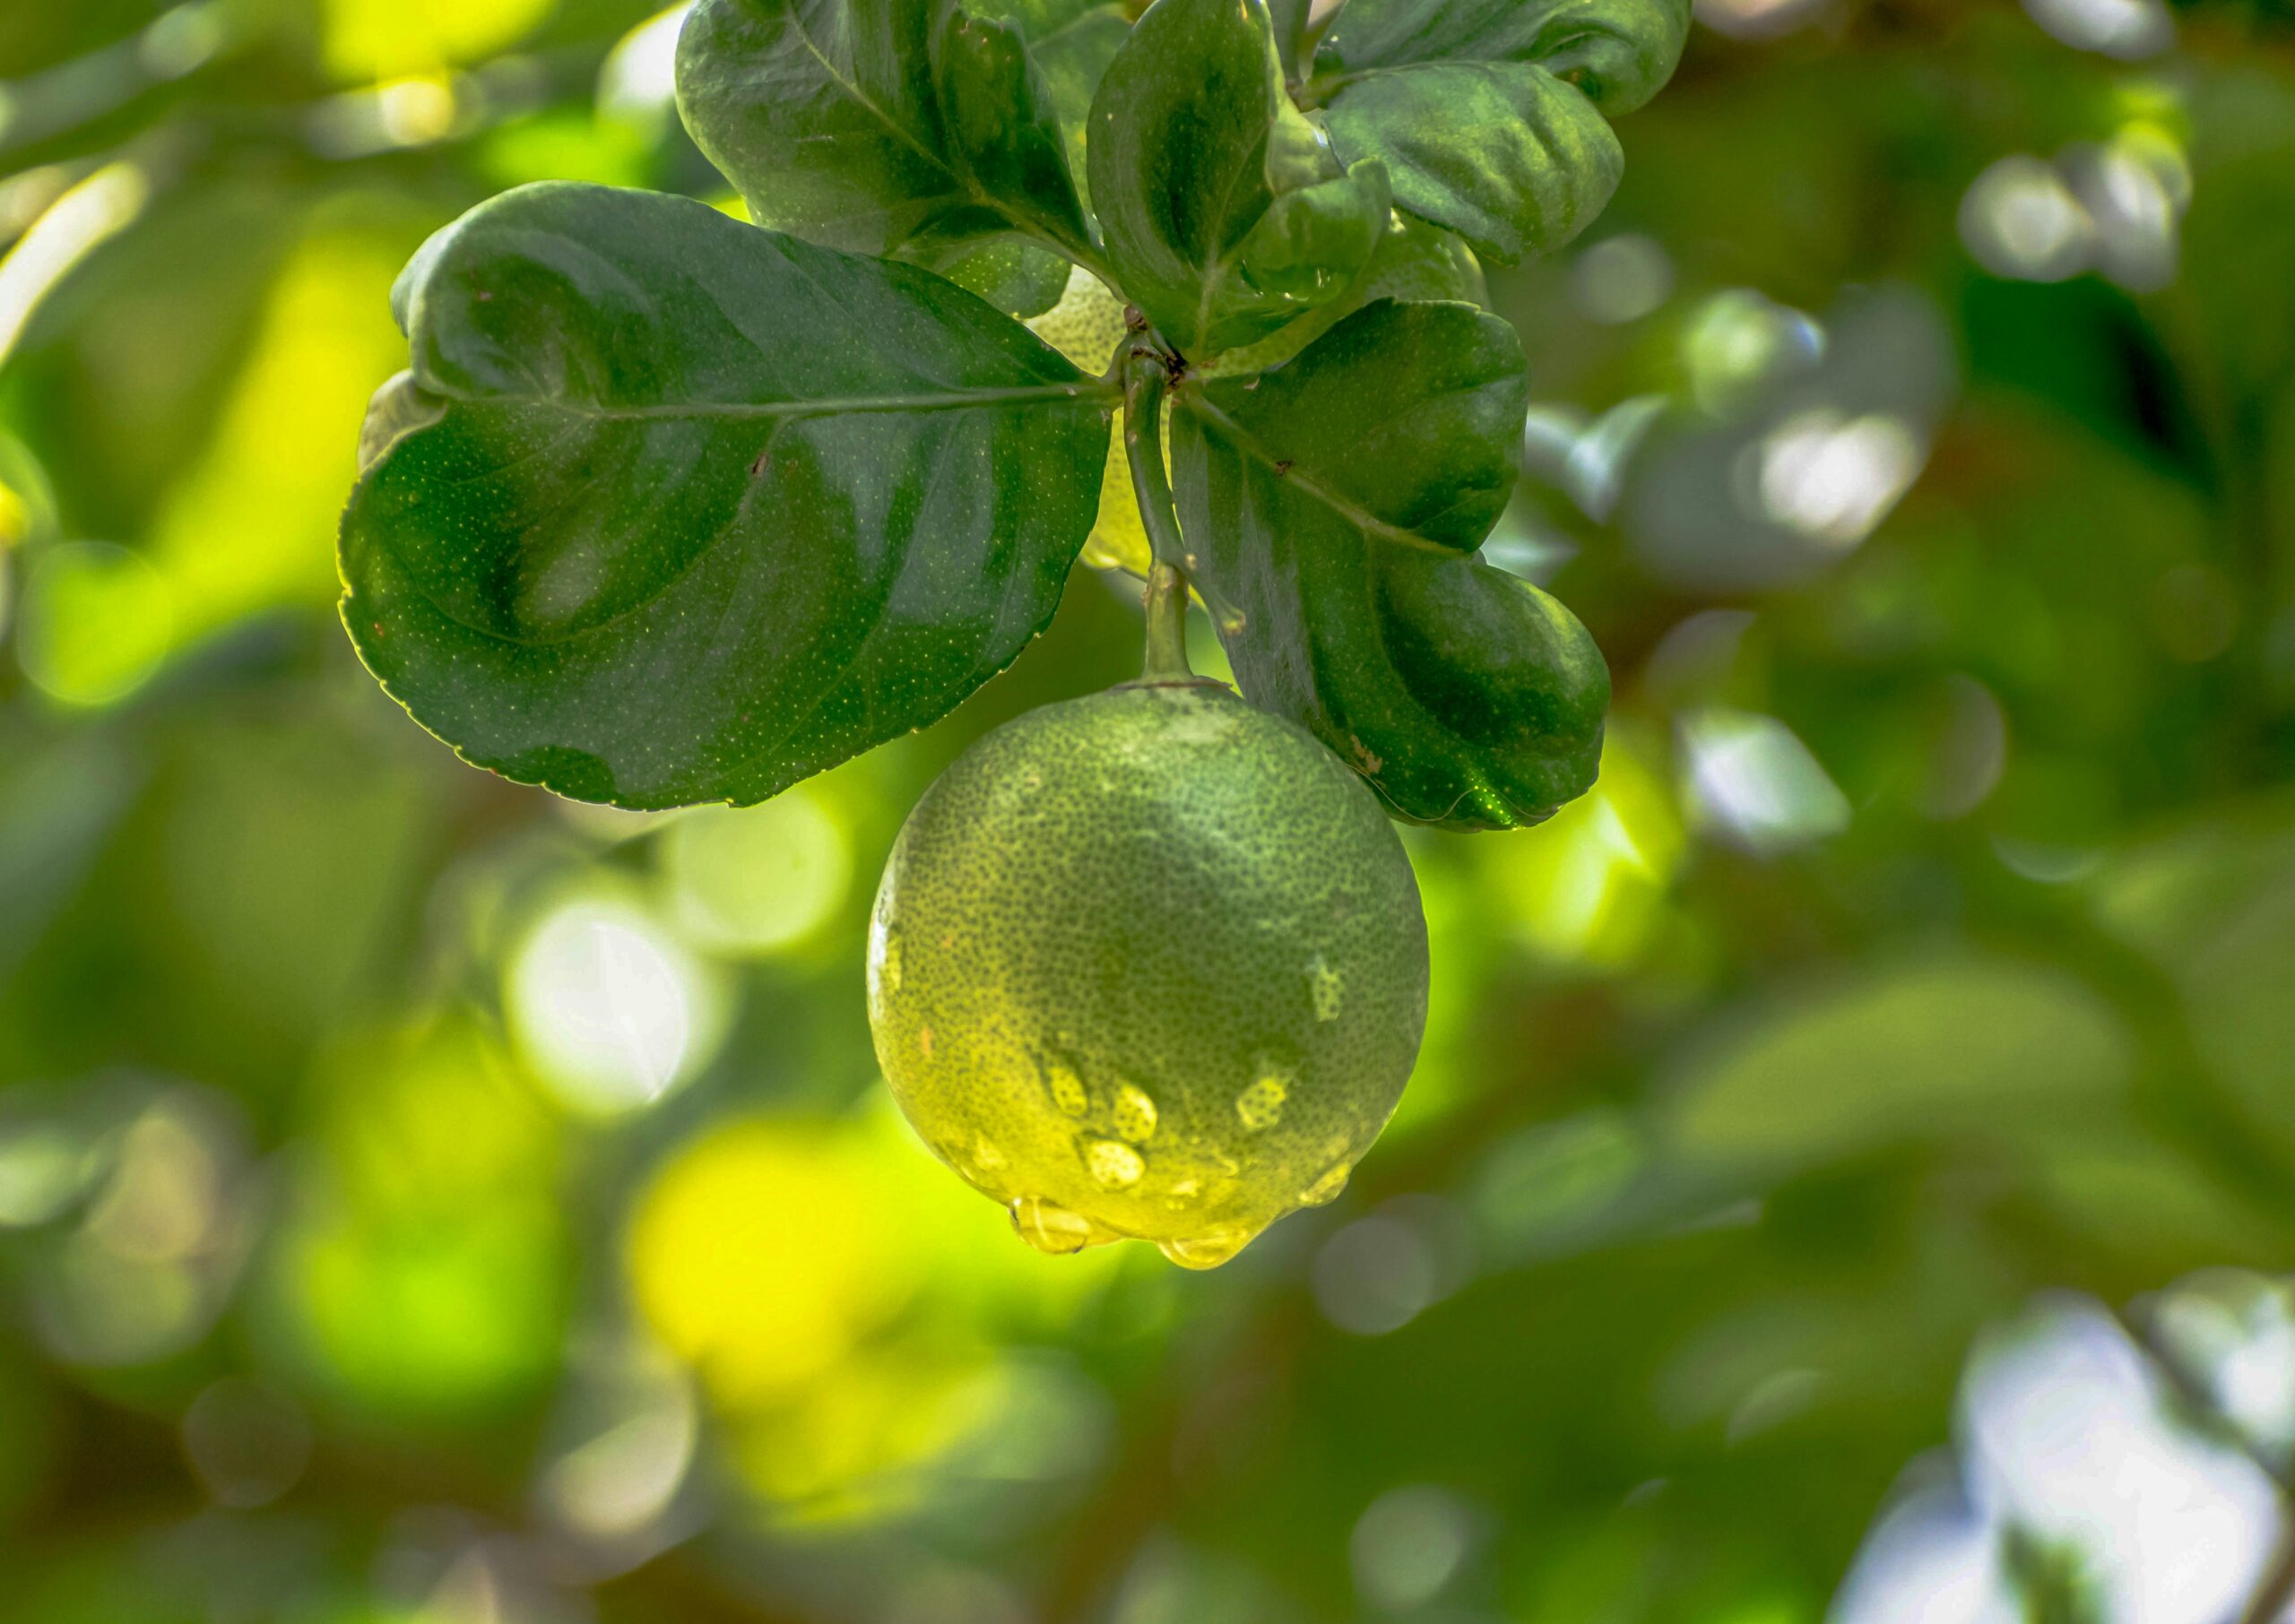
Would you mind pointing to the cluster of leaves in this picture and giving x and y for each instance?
(673, 508)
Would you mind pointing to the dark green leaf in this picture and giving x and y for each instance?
(877, 125)
(1336, 501)
(1197, 162)
(1619, 52)
(1489, 114)
(705, 508)
(1503, 153)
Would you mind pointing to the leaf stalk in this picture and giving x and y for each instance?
(1147, 379)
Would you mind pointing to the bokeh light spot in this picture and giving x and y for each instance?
(1622, 279)
(1831, 478)
(758, 879)
(2019, 220)
(247, 1443)
(1752, 781)
(1408, 1545)
(607, 1006)
(95, 623)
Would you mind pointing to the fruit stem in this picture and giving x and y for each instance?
(1145, 383)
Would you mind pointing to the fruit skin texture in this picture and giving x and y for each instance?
(1149, 964)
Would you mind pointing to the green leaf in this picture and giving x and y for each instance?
(1010, 273)
(1336, 502)
(878, 126)
(1503, 153)
(1619, 53)
(1074, 56)
(1207, 180)
(704, 509)
(1414, 260)
(1292, 21)
(1489, 114)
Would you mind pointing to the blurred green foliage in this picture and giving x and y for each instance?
(422, 1199)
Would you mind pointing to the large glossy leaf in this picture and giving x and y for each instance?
(1224, 212)
(878, 126)
(692, 509)
(1490, 115)
(1337, 501)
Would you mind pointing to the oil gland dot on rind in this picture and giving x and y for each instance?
(1261, 1106)
(1324, 984)
(1135, 1114)
(1068, 1090)
(1113, 1165)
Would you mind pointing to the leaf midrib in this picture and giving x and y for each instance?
(829, 406)
(964, 184)
(1249, 446)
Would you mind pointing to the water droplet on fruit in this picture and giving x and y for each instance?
(1325, 1190)
(1068, 1090)
(1135, 1114)
(1323, 984)
(1261, 1106)
(1206, 1251)
(1113, 1165)
(1049, 1227)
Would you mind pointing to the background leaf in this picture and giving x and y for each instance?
(709, 509)
(1194, 142)
(1336, 501)
(877, 125)
(1073, 50)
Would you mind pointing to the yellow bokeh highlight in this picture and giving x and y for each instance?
(841, 1300)
(251, 523)
(370, 39)
(766, 1252)
(437, 1117)
(1586, 887)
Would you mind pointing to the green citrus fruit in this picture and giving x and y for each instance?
(1148, 964)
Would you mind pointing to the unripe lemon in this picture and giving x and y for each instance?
(1148, 964)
